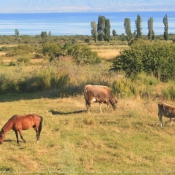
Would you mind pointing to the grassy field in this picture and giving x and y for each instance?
(126, 141)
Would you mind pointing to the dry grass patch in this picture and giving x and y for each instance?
(107, 53)
(8, 45)
(2, 53)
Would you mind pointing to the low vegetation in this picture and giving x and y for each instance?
(48, 79)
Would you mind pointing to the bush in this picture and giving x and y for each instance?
(154, 58)
(22, 49)
(122, 88)
(83, 55)
(171, 91)
(23, 59)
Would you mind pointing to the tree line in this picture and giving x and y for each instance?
(101, 31)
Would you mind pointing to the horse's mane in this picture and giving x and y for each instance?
(7, 122)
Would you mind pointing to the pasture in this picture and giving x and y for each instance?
(126, 141)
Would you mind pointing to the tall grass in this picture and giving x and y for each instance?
(64, 78)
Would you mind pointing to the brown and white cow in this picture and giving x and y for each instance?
(100, 94)
(167, 111)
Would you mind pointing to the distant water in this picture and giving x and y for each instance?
(79, 23)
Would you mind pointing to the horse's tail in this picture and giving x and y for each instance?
(40, 125)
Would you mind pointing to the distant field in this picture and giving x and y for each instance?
(104, 52)
(8, 45)
(107, 53)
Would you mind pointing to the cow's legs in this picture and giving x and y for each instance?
(88, 106)
(171, 121)
(100, 107)
(160, 119)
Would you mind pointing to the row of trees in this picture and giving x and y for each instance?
(101, 31)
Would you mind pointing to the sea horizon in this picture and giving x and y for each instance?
(79, 23)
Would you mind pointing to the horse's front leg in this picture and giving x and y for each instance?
(20, 132)
(17, 139)
(37, 134)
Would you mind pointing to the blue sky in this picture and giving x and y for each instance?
(17, 6)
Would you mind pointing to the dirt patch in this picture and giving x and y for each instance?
(2, 53)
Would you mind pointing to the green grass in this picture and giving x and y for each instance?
(126, 141)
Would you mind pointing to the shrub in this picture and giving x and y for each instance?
(165, 94)
(51, 49)
(22, 49)
(83, 55)
(121, 88)
(23, 59)
(171, 91)
(154, 58)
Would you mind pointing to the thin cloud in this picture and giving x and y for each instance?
(17, 6)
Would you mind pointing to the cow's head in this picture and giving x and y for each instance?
(161, 105)
(114, 101)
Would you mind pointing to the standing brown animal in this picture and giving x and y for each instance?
(167, 111)
(18, 123)
(100, 94)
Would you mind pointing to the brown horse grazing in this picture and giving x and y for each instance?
(18, 123)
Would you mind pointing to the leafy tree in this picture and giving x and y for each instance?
(94, 30)
(138, 26)
(107, 36)
(50, 33)
(101, 27)
(127, 25)
(150, 29)
(43, 36)
(16, 32)
(165, 22)
(114, 33)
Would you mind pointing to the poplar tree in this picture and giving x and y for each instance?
(94, 30)
(138, 26)
(101, 27)
(16, 32)
(127, 25)
(114, 33)
(43, 36)
(107, 36)
(150, 29)
(165, 22)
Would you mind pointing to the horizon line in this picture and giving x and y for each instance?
(89, 11)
